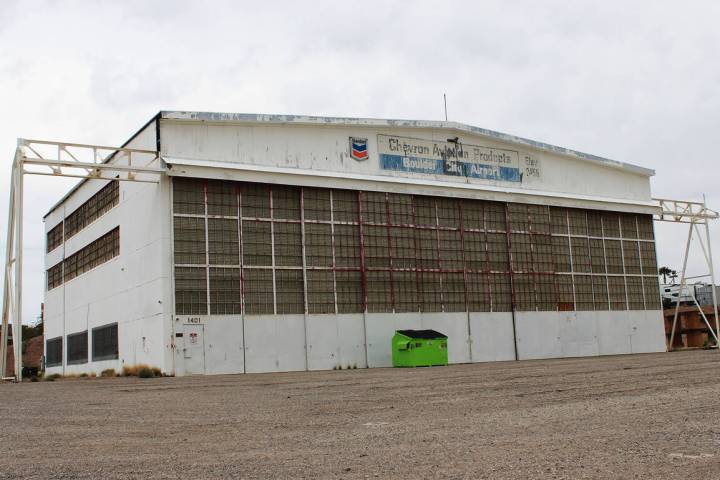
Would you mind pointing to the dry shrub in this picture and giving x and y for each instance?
(141, 370)
(108, 372)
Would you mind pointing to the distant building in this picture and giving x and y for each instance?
(701, 291)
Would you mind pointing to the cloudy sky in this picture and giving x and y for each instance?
(632, 81)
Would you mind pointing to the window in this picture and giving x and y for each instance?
(614, 256)
(77, 348)
(223, 241)
(565, 297)
(453, 292)
(345, 206)
(479, 290)
(645, 227)
(379, 291)
(188, 196)
(290, 296)
(584, 293)
(288, 244)
(647, 258)
(349, 292)
(542, 253)
(430, 292)
(94, 208)
(580, 254)
(98, 252)
(628, 224)
(225, 291)
(616, 286)
(54, 352)
(525, 292)
(652, 293)
(600, 292)
(545, 292)
(321, 291)
(54, 276)
(318, 245)
(559, 220)
(105, 342)
(258, 289)
(316, 202)
(631, 256)
(189, 240)
(190, 291)
(561, 254)
(222, 199)
(578, 221)
(405, 287)
(635, 293)
(257, 243)
(55, 237)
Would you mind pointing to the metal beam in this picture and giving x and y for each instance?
(683, 211)
(694, 214)
(28, 153)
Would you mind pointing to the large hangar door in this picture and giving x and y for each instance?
(194, 349)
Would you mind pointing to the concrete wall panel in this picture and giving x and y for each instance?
(649, 335)
(492, 336)
(538, 335)
(224, 344)
(335, 341)
(578, 334)
(613, 331)
(274, 343)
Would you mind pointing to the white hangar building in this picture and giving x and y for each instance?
(280, 243)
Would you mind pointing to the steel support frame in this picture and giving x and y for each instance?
(694, 214)
(66, 160)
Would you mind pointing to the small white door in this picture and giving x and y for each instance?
(194, 349)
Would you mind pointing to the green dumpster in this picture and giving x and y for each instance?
(419, 348)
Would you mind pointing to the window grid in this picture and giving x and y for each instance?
(296, 250)
(96, 253)
(54, 237)
(92, 209)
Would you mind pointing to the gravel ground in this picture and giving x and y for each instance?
(640, 416)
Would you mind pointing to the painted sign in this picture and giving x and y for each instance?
(450, 157)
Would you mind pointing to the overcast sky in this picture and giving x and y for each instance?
(632, 81)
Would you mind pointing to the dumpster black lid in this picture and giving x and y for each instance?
(422, 333)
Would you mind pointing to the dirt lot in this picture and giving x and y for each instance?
(643, 416)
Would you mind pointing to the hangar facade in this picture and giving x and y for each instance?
(281, 243)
